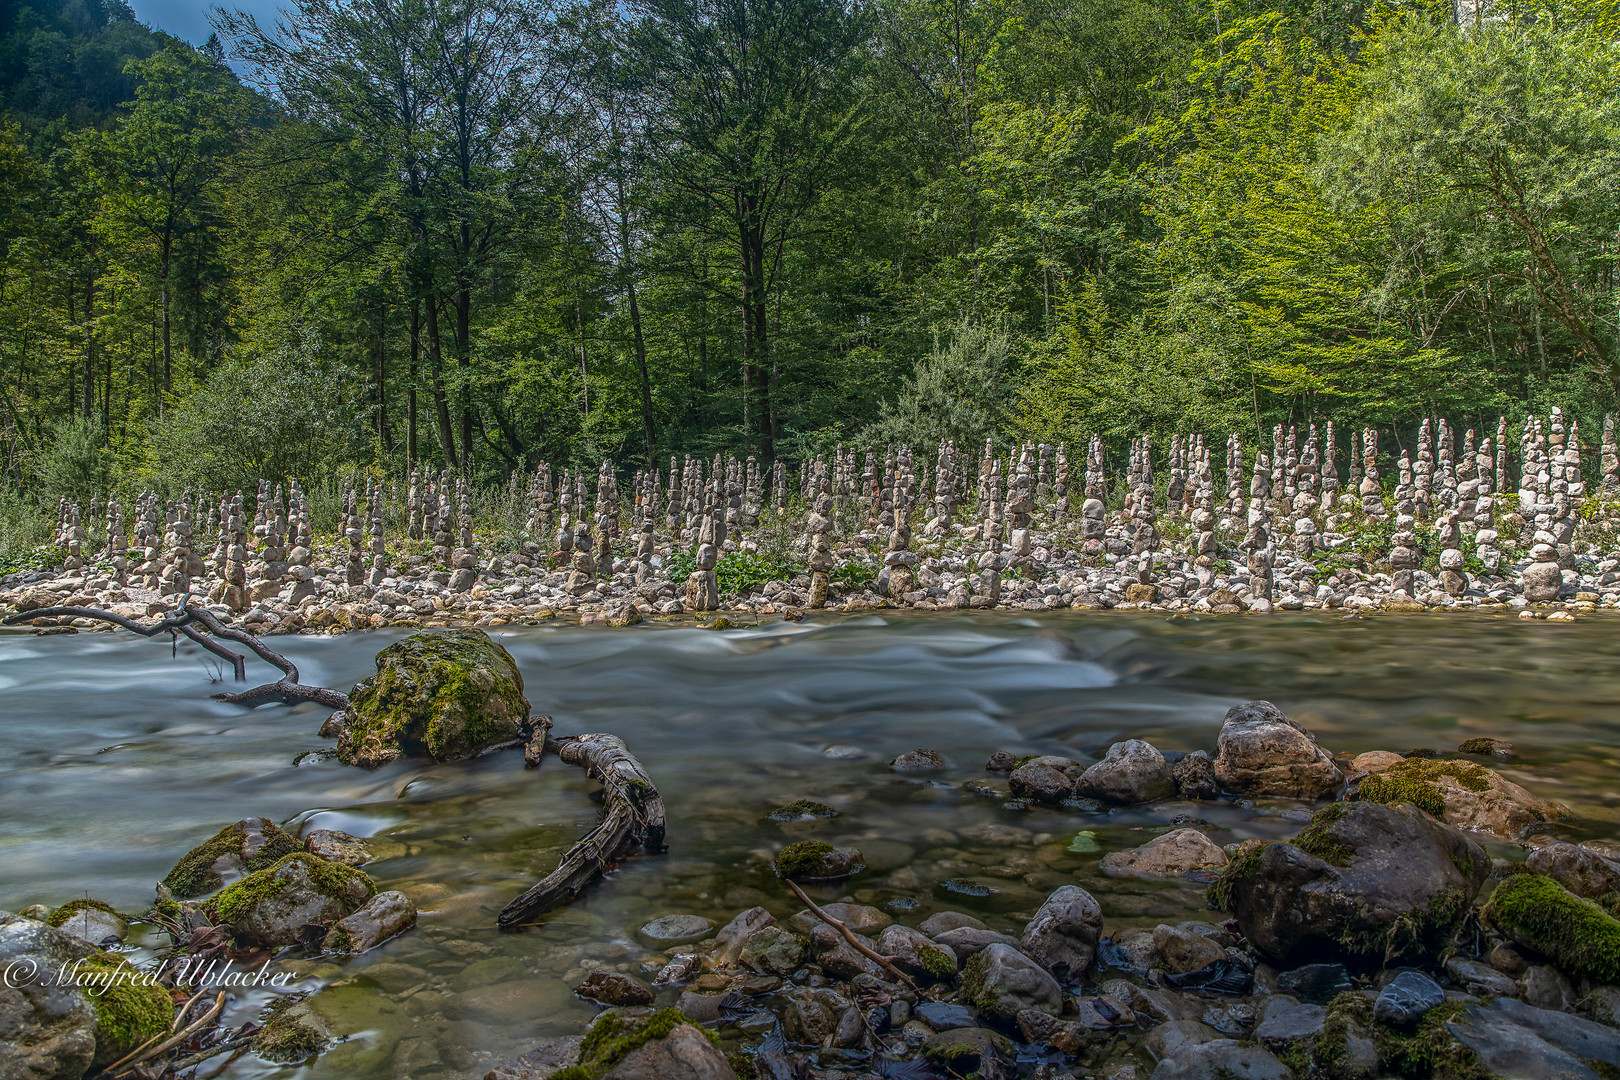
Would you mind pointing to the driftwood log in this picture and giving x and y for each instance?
(633, 817)
(183, 621)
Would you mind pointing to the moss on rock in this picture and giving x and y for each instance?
(1413, 781)
(1242, 862)
(130, 1009)
(801, 810)
(346, 887)
(194, 875)
(441, 695)
(615, 1036)
(1577, 935)
(1428, 1052)
(61, 915)
(1313, 839)
(292, 1033)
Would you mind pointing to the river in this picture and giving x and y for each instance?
(117, 762)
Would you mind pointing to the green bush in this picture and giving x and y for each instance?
(25, 529)
(75, 463)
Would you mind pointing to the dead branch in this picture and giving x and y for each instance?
(634, 817)
(287, 691)
(849, 935)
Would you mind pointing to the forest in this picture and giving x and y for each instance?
(379, 235)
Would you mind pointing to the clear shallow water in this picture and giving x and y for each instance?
(116, 763)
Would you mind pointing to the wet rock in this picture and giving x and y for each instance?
(811, 1015)
(550, 1056)
(48, 1030)
(334, 845)
(963, 1050)
(443, 696)
(1286, 1021)
(1194, 777)
(1000, 981)
(1315, 983)
(1517, 1040)
(1131, 772)
(1170, 855)
(945, 1015)
(1406, 998)
(1001, 761)
(916, 954)
(1133, 949)
(668, 930)
(1374, 761)
(269, 907)
(967, 942)
(614, 988)
(1507, 959)
(1364, 881)
(386, 915)
(1223, 1059)
(1579, 869)
(731, 936)
(1263, 753)
(1480, 979)
(684, 1053)
(919, 761)
(250, 844)
(1172, 1036)
(1544, 917)
(1233, 1019)
(1499, 748)
(772, 950)
(860, 918)
(700, 1008)
(92, 921)
(1545, 987)
(680, 970)
(814, 860)
(961, 886)
(1062, 937)
(1461, 793)
(941, 921)
(801, 810)
(1185, 951)
(1040, 783)
(293, 1032)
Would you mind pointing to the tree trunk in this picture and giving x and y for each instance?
(89, 396)
(464, 361)
(383, 431)
(410, 385)
(441, 405)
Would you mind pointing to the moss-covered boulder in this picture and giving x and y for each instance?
(250, 844)
(66, 1007)
(268, 907)
(443, 696)
(292, 1033)
(1363, 883)
(638, 1044)
(816, 860)
(1461, 793)
(1579, 937)
(95, 921)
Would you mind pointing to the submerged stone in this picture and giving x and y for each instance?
(250, 844)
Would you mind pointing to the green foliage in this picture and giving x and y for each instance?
(25, 529)
(75, 463)
(959, 391)
(614, 1036)
(1413, 781)
(191, 876)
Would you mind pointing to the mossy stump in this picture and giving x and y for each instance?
(442, 696)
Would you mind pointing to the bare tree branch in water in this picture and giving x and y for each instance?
(183, 621)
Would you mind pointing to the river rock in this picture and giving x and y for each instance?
(1316, 984)
(1131, 772)
(860, 918)
(1262, 753)
(1286, 1021)
(771, 950)
(1223, 1059)
(1194, 776)
(731, 936)
(384, 916)
(914, 953)
(549, 1057)
(251, 844)
(1477, 978)
(268, 907)
(919, 761)
(443, 696)
(945, 1015)
(1579, 869)
(685, 1053)
(941, 921)
(1462, 793)
(1170, 855)
(293, 1032)
(811, 1014)
(963, 1050)
(1542, 916)
(1040, 782)
(90, 920)
(614, 988)
(1545, 987)
(1001, 980)
(1406, 998)
(1184, 950)
(1374, 761)
(816, 860)
(1169, 1038)
(967, 941)
(1517, 1040)
(334, 845)
(1062, 937)
(668, 930)
(49, 1031)
(1363, 882)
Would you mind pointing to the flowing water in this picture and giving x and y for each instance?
(116, 762)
